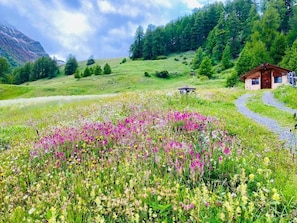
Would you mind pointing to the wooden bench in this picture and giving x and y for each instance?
(187, 90)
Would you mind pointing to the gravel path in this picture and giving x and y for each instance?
(27, 101)
(269, 99)
(271, 124)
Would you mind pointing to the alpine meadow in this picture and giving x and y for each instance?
(118, 140)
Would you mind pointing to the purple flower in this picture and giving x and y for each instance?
(227, 151)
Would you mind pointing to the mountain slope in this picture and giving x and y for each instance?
(18, 48)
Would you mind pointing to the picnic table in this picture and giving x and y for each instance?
(187, 90)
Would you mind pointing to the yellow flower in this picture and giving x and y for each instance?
(222, 216)
(251, 177)
(275, 197)
(114, 216)
(266, 160)
(251, 207)
(274, 190)
(244, 199)
(238, 210)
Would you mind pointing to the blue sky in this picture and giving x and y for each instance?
(102, 28)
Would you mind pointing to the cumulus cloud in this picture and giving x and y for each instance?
(192, 4)
(103, 28)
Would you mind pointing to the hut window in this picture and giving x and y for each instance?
(278, 79)
(255, 81)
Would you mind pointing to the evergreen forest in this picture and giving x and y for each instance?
(244, 33)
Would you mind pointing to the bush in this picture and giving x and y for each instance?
(124, 60)
(98, 70)
(146, 74)
(87, 72)
(232, 80)
(107, 69)
(90, 61)
(162, 74)
(77, 74)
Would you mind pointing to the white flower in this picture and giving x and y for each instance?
(31, 211)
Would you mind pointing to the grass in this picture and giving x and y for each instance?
(9, 91)
(142, 154)
(284, 118)
(90, 192)
(125, 77)
(288, 95)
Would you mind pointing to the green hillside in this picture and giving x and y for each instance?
(125, 77)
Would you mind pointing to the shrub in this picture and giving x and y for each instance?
(97, 70)
(146, 74)
(162, 74)
(87, 72)
(107, 69)
(77, 74)
(124, 60)
(205, 67)
(232, 80)
(90, 61)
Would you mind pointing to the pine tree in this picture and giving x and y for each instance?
(106, 69)
(290, 59)
(136, 48)
(98, 70)
(198, 58)
(71, 65)
(253, 54)
(205, 68)
(244, 61)
(4, 66)
(278, 48)
(87, 72)
(148, 43)
(226, 58)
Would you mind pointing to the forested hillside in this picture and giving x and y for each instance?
(250, 32)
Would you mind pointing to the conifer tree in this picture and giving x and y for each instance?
(98, 70)
(226, 58)
(198, 58)
(107, 69)
(71, 65)
(205, 68)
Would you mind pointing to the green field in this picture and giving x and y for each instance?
(125, 77)
(144, 153)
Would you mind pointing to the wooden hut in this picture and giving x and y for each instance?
(265, 76)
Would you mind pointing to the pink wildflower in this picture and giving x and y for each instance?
(227, 151)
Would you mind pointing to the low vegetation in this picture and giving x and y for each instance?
(149, 156)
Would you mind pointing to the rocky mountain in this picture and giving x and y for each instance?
(18, 48)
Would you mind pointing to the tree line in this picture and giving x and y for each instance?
(46, 67)
(249, 32)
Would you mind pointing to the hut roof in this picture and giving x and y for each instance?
(263, 67)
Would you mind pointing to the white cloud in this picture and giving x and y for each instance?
(106, 7)
(191, 4)
(99, 27)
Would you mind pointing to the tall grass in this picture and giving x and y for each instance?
(137, 157)
(288, 95)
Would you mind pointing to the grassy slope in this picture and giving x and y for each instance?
(124, 78)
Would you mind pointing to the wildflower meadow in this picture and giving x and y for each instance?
(139, 158)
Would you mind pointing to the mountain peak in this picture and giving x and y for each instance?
(18, 48)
